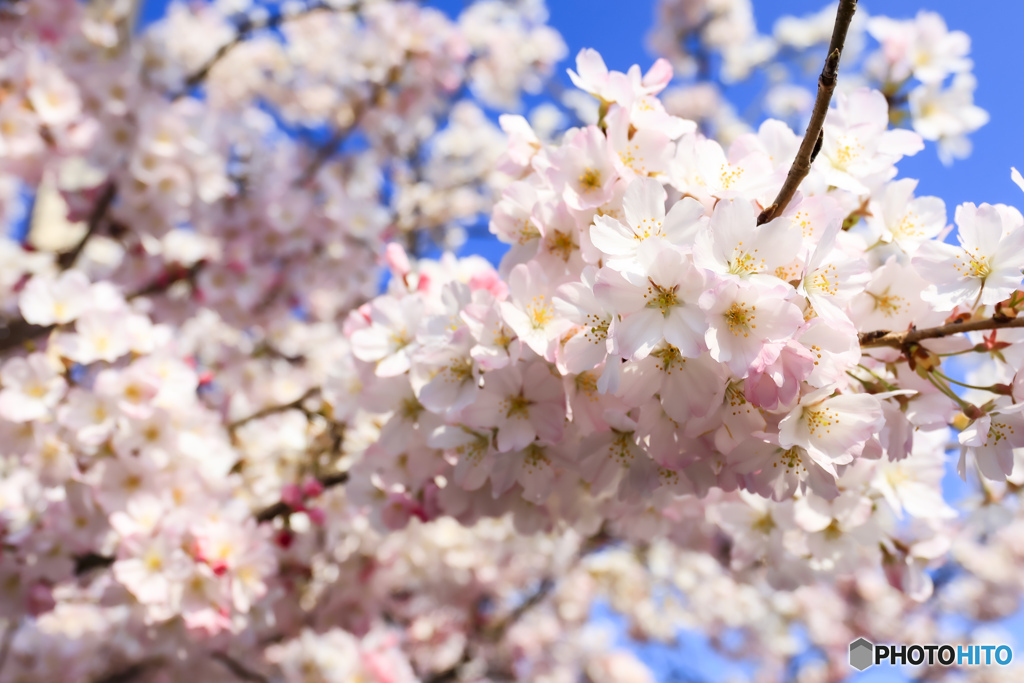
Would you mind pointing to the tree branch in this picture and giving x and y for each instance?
(813, 136)
(17, 332)
(10, 630)
(281, 508)
(898, 340)
(245, 29)
(132, 672)
(323, 153)
(67, 259)
(86, 563)
(272, 410)
(238, 669)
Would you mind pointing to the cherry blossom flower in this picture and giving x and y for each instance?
(984, 268)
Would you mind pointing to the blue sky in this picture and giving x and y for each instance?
(617, 29)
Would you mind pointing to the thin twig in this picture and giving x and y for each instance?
(898, 340)
(239, 669)
(281, 508)
(132, 672)
(89, 561)
(5, 647)
(18, 332)
(323, 153)
(494, 634)
(245, 29)
(273, 410)
(331, 147)
(67, 259)
(813, 136)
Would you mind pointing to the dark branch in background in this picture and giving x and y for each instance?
(238, 669)
(67, 259)
(175, 273)
(86, 563)
(245, 29)
(331, 147)
(90, 561)
(18, 332)
(8, 639)
(281, 508)
(813, 136)
(132, 672)
(323, 153)
(495, 633)
(898, 340)
(271, 410)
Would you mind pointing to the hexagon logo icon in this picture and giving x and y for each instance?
(862, 654)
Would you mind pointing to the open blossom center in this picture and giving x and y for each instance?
(909, 226)
(888, 304)
(668, 359)
(648, 227)
(730, 175)
(598, 329)
(661, 298)
(997, 431)
(528, 232)
(401, 339)
(848, 150)
(541, 311)
(825, 281)
(740, 319)
(970, 264)
(590, 180)
(517, 406)
(560, 243)
(820, 420)
(744, 262)
(461, 369)
(791, 460)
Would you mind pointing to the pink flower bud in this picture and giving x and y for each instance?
(317, 516)
(397, 260)
(291, 495)
(312, 488)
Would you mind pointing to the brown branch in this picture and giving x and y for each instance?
(10, 630)
(272, 410)
(238, 669)
(175, 273)
(331, 147)
(813, 136)
(245, 30)
(18, 332)
(67, 259)
(496, 632)
(132, 672)
(323, 153)
(89, 561)
(898, 340)
(281, 508)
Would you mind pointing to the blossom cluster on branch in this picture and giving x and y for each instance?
(225, 454)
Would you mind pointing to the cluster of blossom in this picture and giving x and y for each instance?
(202, 287)
(217, 458)
(922, 67)
(649, 341)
